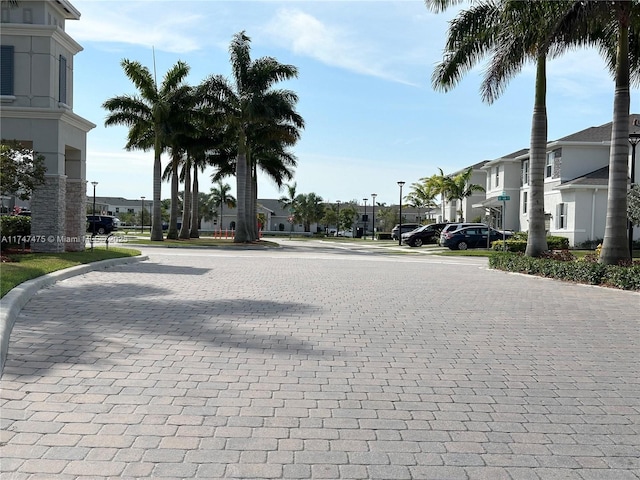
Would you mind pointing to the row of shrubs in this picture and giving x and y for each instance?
(562, 265)
(518, 243)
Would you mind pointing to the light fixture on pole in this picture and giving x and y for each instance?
(142, 215)
(338, 202)
(373, 216)
(365, 218)
(94, 213)
(400, 184)
(634, 139)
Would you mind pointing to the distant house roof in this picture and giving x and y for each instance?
(597, 178)
(599, 134)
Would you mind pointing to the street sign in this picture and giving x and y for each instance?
(503, 198)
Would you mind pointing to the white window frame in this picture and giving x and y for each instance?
(561, 216)
(525, 172)
(548, 168)
(525, 202)
(497, 179)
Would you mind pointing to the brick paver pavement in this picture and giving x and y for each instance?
(303, 363)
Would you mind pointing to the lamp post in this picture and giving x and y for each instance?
(364, 217)
(634, 139)
(142, 215)
(94, 213)
(373, 215)
(400, 184)
(338, 202)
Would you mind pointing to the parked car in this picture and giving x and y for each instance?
(472, 237)
(345, 233)
(406, 227)
(450, 227)
(103, 223)
(425, 234)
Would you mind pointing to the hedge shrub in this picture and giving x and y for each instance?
(13, 227)
(518, 243)
(580, 271)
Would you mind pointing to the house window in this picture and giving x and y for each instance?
(63, 80)
(6, 70)
(27, 16)
(497, 176)
(5, 15)
(117, 209)
(525, 201)
(525, 172)
(548, 171)
(561, 216)
(131, 210)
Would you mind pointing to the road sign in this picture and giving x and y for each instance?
(502, 198)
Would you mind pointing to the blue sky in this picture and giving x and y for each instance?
(372, 117)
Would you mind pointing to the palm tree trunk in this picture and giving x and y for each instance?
(172, 233)
(242, 233)
(537, 238)
(195, 208)
(254, 203)
(156, 227)
(186, 204)
(615, 247)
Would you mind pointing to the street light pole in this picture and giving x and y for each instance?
(634, 139)
(142, 216)
(373, 216)
(364, 236)
(338, 202)
(400, 184)
(94, 213)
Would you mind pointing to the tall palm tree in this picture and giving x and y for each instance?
(220, 197)
(511, 33)
(614, 27)
(148, 116)
(247, 102)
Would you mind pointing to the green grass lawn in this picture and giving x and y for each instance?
(200, 242)
(26, 266)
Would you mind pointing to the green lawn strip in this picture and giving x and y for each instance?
(27, 266)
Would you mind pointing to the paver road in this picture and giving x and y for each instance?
(318, 363)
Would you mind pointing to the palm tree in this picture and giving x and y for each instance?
(460, 187)
(511, 33)
(288, 202)
(421, 196)
(149, 118)
(438, 185)
(246, 103)
(614, 27)
(220, 197)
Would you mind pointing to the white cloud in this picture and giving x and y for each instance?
(305, 35)
(136, 24)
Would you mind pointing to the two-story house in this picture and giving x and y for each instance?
(575, 186)
(36, 99)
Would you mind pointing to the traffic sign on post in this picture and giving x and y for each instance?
(503, 198)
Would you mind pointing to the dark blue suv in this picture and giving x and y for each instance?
(103, 224)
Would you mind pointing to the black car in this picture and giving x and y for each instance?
(406, 227)
(426, 234)
(103, 224)
(472, 237)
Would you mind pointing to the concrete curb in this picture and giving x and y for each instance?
(13, 301)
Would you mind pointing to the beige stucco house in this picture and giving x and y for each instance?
(36, 108)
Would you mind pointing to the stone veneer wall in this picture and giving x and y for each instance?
(48, 215)
(76, 215)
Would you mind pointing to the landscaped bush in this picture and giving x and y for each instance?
(518, 243)
(13, 228)
(563, 266)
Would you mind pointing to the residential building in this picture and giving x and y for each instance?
(36, 96)
(575, 185)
